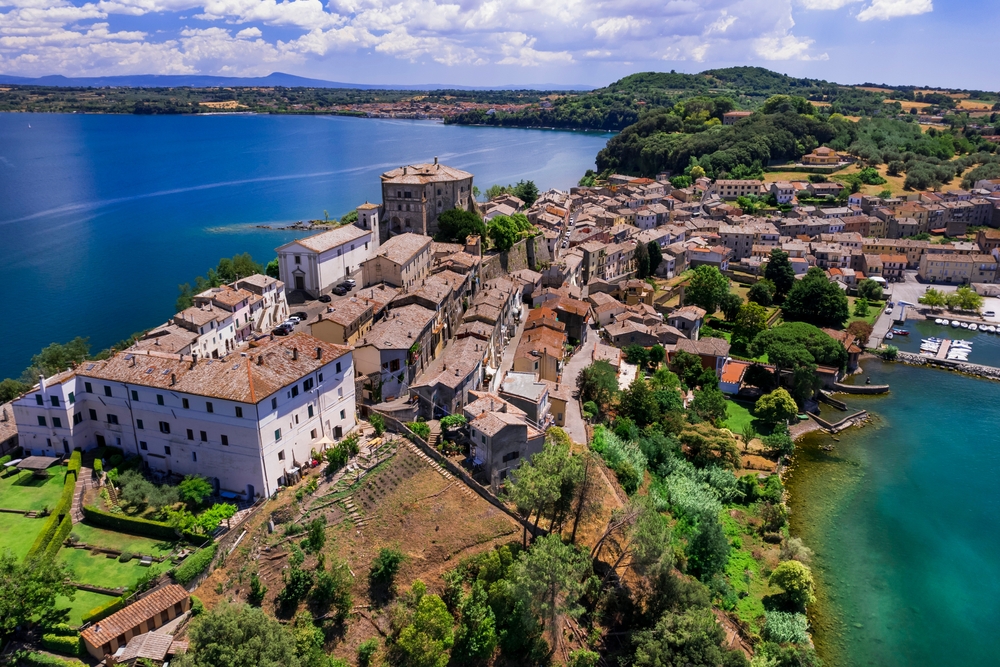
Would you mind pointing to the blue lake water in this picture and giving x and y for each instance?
(101, 217)
(985, 346)
(902, 515)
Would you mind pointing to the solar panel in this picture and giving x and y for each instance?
(129, 357)
(149, 370)
(90, 367)
(166, 371)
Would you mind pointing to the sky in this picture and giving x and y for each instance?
(502, 42)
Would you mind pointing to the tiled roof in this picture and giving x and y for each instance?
(347, 311)
(419, 174)
(235, 378)
(327, 240)
(489, 402)
(708, 346)
(402, 248)
(400, 330)
(379, 295)
(133, 615)
(152, 646)
(455, 364)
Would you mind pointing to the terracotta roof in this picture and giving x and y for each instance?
(708, 346)
(455, 364)
(347, 311)
(224, 295)
(489, 402)
(419, 174)
(400, 330)
(733, 372)
(402, 248)
(543, 317)
(541, 340)
(234, 378)
(688, 313)
(379, 295)
(152, 646)
(133, 615)
(327, 240)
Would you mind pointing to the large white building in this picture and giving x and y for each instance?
(317, 263)
(246, 422)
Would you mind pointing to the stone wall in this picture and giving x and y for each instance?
(869, 389)
(525, 254)
(976, 370)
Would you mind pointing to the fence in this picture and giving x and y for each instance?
(459, 472)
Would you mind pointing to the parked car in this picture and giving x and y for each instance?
(340, 290)
(350, 282)
(325, 298)
(282, 330)
(989, 313)
(300, 316)
(347, 285)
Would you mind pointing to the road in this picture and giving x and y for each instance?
(575, 427)
(313, 307)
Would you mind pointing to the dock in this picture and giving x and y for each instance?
(942, 353)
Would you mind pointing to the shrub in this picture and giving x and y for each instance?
(796, 580)
(125, 557)
(98, 467)
(61, 629)
(66, 645)
(103, 611)
(624, 458)
(420, 429)
(137, 526)
(194, 565)
(55, 529)
(385, 566)
(257, 590)
(366, 651)
(377, 422)
(786, 627)
(43, 660)
(197, 606)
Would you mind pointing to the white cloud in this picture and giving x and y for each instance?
(786, 47)
(826, 4)
(890, 9)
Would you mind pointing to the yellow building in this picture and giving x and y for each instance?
(344, 322)
(822, 156)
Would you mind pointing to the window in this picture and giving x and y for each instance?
(225, 440)
(342, 414)
(112, 419)
(298, 259)
(41, 420)
(78, 417)
(159, 399)
(320, 377)
(295, 390)
(164, 427)
(88, 388)
(394, 364)
(277, 435)
(138, 424)
(483, 438)
(309, 410)
(338, 367)
(194, 456)
(135, 395)
(190, 434)
(72, 398)
(39, 400)
(307, 385)
(55, 401)
(511, 457)
(166, 450)
(56, 422)
(274, 403)
(107, 390)
(143, 446)
(93, 415)
(208, 406)
(239, 412)
(185, 403)
(312, 434)
(340, 391)
(204, 436)
(281, 455)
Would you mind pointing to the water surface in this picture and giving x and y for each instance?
(902, 515)
(101, 216)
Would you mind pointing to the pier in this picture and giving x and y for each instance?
(942, 353)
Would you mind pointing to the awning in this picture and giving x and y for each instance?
(325, 440)
(11, 464)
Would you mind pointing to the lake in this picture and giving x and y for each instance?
(902, 516)
(985, 346)
(104, 216)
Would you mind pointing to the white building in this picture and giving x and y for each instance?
(245, 423)
(317, 263)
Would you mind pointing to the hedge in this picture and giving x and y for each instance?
(98, 467)
(103, 611)
(137, 526)
(64, 645)
(43, 660)
(62, 532)
(61, 511)
(61, 629)
(194, 565)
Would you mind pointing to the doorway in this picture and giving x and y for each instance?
(100, 440)
(300, 282)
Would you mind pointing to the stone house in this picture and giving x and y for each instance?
(105, 637)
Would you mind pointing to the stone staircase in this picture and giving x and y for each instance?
(435, 437)
(83, 481)
(354, 513)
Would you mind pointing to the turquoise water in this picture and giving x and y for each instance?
(101, 217)
(902, 515)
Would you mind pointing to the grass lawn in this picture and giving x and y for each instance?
(82, 602)
(109, 539)
(100, 570)
(18, 533)
(737, 416)
(874, 310)
(27, 492)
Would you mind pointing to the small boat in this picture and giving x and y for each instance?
(888, 336)
(954, 324)
(964, 325)
(961, 345)
(973, 327)
(990, 328)
(938, 321)
(900, 332)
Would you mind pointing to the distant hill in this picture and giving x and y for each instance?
(274, 79)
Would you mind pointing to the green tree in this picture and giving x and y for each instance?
(637, 537)
(476, 639)
(934, 298)
(780, 441)
(272, 269)
(776, 407)
(707, 288)
(456, 224)
(817, 300)
(710, 404)
(692, 638)
(636, 354)
(257, 590)
(194, 490)
(549, 579)
(750, 321)
(761, 377)
(641, 261)
(965, 298)
(796, 343)
(656, 355)
(762, 292)
(425, 641)
(780, 272)
(861, 307)
(504, 231)
(638, 402)
(315, 535)
(708, 548)
(598, 382)
(28, 591)
(526, 191)
(385, 566)
(11, 389)
(730, 306)
(796, 580)
(56, 358)
(688, 368)
(238, 636)
(655, 256)
(869, 289)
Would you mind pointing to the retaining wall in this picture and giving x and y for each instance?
(975, 370)
(867, 389)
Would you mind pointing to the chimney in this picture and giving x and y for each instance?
(173, 379)
(156, 341)
(4, 418)
(319, 353)
(295, 354)
(260, 360)
(41, 383)
(435, 159)
(194, 360)
(456, 372)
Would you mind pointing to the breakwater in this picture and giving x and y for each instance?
(975, 370)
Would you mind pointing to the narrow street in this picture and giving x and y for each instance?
(575, 425)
